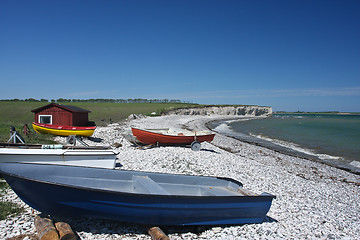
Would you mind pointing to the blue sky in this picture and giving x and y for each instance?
(290, 55)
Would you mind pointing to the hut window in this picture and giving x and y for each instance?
(45, 119)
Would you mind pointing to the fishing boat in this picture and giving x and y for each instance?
(167, 136)
(61, 130)
(135, 196)
(55, 154)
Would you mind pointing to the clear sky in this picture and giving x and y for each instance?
(291, 55)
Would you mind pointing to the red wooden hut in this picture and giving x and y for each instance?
(59, 114)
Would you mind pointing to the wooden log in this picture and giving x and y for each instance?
(65, 231)
(157, 234)
(45, 228)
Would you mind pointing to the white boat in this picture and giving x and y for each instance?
(100, 158)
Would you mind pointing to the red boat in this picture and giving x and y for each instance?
(166, 136)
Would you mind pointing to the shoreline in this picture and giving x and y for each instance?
(313, 200)
(282, 149)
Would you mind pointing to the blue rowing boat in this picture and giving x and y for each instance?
(135, 196)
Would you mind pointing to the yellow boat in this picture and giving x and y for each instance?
(61, 130)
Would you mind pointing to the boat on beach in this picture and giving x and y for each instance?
(55, 154)
(62, 130)
(135, 196)
(167, 136)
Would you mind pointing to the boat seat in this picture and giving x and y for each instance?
(144, 184)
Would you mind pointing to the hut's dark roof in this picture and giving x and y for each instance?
(66, 107)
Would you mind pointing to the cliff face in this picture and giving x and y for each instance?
(226, 110)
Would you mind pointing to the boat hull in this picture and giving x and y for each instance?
(74, 201)
(149, 137)
(71, 157)
(60, 130)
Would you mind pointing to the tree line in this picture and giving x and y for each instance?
(99, 100)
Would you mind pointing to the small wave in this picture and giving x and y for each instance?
(290, 145)
(223, 128)
(329, 157)
(297, 148)
(238, 120)
(355, 164)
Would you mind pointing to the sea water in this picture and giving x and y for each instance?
(333, 138)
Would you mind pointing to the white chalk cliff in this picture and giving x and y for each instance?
(224, 110)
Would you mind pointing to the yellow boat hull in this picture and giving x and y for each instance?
(63, 132)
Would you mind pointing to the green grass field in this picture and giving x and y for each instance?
(17, 113)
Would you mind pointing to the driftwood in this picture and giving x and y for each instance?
(65, 231)
(29, 236)
(157, 234)
(45, 228)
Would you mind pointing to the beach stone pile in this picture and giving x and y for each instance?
(313, 200)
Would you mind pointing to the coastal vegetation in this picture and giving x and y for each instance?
(7, 208)
(63, 100)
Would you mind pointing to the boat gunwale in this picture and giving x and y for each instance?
(177, 136)
(64, 153)
(106, 191)
(39, 146)
(64, 127)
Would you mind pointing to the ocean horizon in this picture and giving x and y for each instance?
(333, 139)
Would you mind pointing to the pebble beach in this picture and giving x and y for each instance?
(313, 200)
